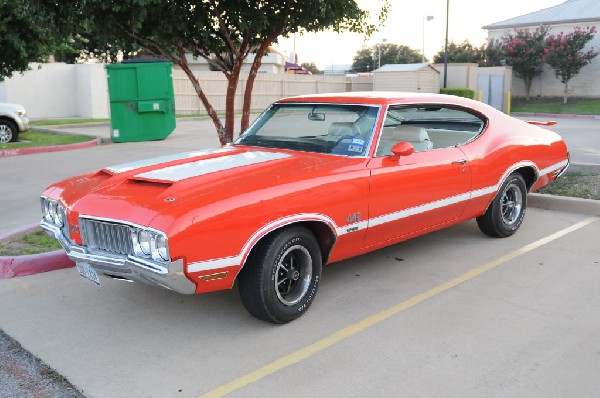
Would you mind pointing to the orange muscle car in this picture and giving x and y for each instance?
(316, 179)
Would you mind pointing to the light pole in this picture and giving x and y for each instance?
(446, 45)
(379, 52)
(425, 19)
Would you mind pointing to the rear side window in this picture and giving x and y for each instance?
(428, 127)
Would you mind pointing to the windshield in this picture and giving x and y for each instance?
(323, 128)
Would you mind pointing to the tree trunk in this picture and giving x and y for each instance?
(528, 81)
(221, 133)
(252, 75)
(232, 82)
(566, 92)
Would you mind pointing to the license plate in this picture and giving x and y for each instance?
(87, 272)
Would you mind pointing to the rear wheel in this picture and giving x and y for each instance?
(281, 277)
(8, 131)
(506, 212)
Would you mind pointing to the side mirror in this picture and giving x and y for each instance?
(402, 149)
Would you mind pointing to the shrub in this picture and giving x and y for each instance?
(459, 92)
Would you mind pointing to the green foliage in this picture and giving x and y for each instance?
(312, 68)
(459, 53)
(491, 53)
(459, 92)
(367, 58)
(23, 37)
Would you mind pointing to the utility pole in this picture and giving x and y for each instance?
(446, 45)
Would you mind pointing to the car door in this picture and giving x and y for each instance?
(430, 187)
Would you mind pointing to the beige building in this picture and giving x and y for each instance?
(560, 18)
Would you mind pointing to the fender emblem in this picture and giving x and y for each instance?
(353, 218)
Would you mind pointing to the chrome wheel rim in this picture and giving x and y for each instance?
(5, 134)
(293, 275)
(511, 204)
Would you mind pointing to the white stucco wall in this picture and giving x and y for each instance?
(585, 84)
(58, 90)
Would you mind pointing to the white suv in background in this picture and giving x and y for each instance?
(13, 120)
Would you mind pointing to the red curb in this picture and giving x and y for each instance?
(33, 264)
(53, 148)
(30, 264)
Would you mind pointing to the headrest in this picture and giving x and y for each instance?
(410, 134)
(340, 128)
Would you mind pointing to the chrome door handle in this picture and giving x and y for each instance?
(461, 161)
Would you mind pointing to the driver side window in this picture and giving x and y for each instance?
(427, 127)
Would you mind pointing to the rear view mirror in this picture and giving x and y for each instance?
(320, 117)
(402, 149)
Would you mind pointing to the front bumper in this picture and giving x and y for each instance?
(128, 268)
(23, 122)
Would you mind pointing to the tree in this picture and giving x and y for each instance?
(89, 46)
(564, 53)
(26, 35)
(491, 53)
(312, 68)
(368, 58)
(524, 51)
(224, 33)
(458, 53)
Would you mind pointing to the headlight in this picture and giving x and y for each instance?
(145, 242)
(161, 248)
(59, 216)
(45, 209)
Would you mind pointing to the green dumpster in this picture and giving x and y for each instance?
(142, 104)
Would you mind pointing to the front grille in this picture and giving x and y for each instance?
(107, 236)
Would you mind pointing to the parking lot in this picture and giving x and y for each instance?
(453, 313)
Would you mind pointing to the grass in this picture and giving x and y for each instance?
(578, 106)
(55, 122)
(37, 242)
(575, 184)
(35, 138)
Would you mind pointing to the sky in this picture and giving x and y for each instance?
(404, 25)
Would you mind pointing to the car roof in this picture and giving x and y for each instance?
(375, 97)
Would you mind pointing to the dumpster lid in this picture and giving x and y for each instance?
(144, 60)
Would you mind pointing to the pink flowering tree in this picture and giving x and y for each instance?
(524, 51)
(565, 54)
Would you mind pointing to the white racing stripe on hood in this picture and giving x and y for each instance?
(207, 166)
(120, 168)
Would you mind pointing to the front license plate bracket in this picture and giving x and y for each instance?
(87, 272)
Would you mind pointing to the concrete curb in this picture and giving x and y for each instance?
(54, 148)
(11, 266)
(564, 203)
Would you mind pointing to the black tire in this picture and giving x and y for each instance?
(281, 277)
(8, 131)
(506, 212)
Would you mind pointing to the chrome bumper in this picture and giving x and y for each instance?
(170, 276)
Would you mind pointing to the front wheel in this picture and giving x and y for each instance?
(281, 277)
(505, 214)
(8, 131)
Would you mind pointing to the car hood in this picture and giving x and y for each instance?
(138, 191)
(6, 107)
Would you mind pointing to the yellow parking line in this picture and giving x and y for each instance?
(351, 330)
